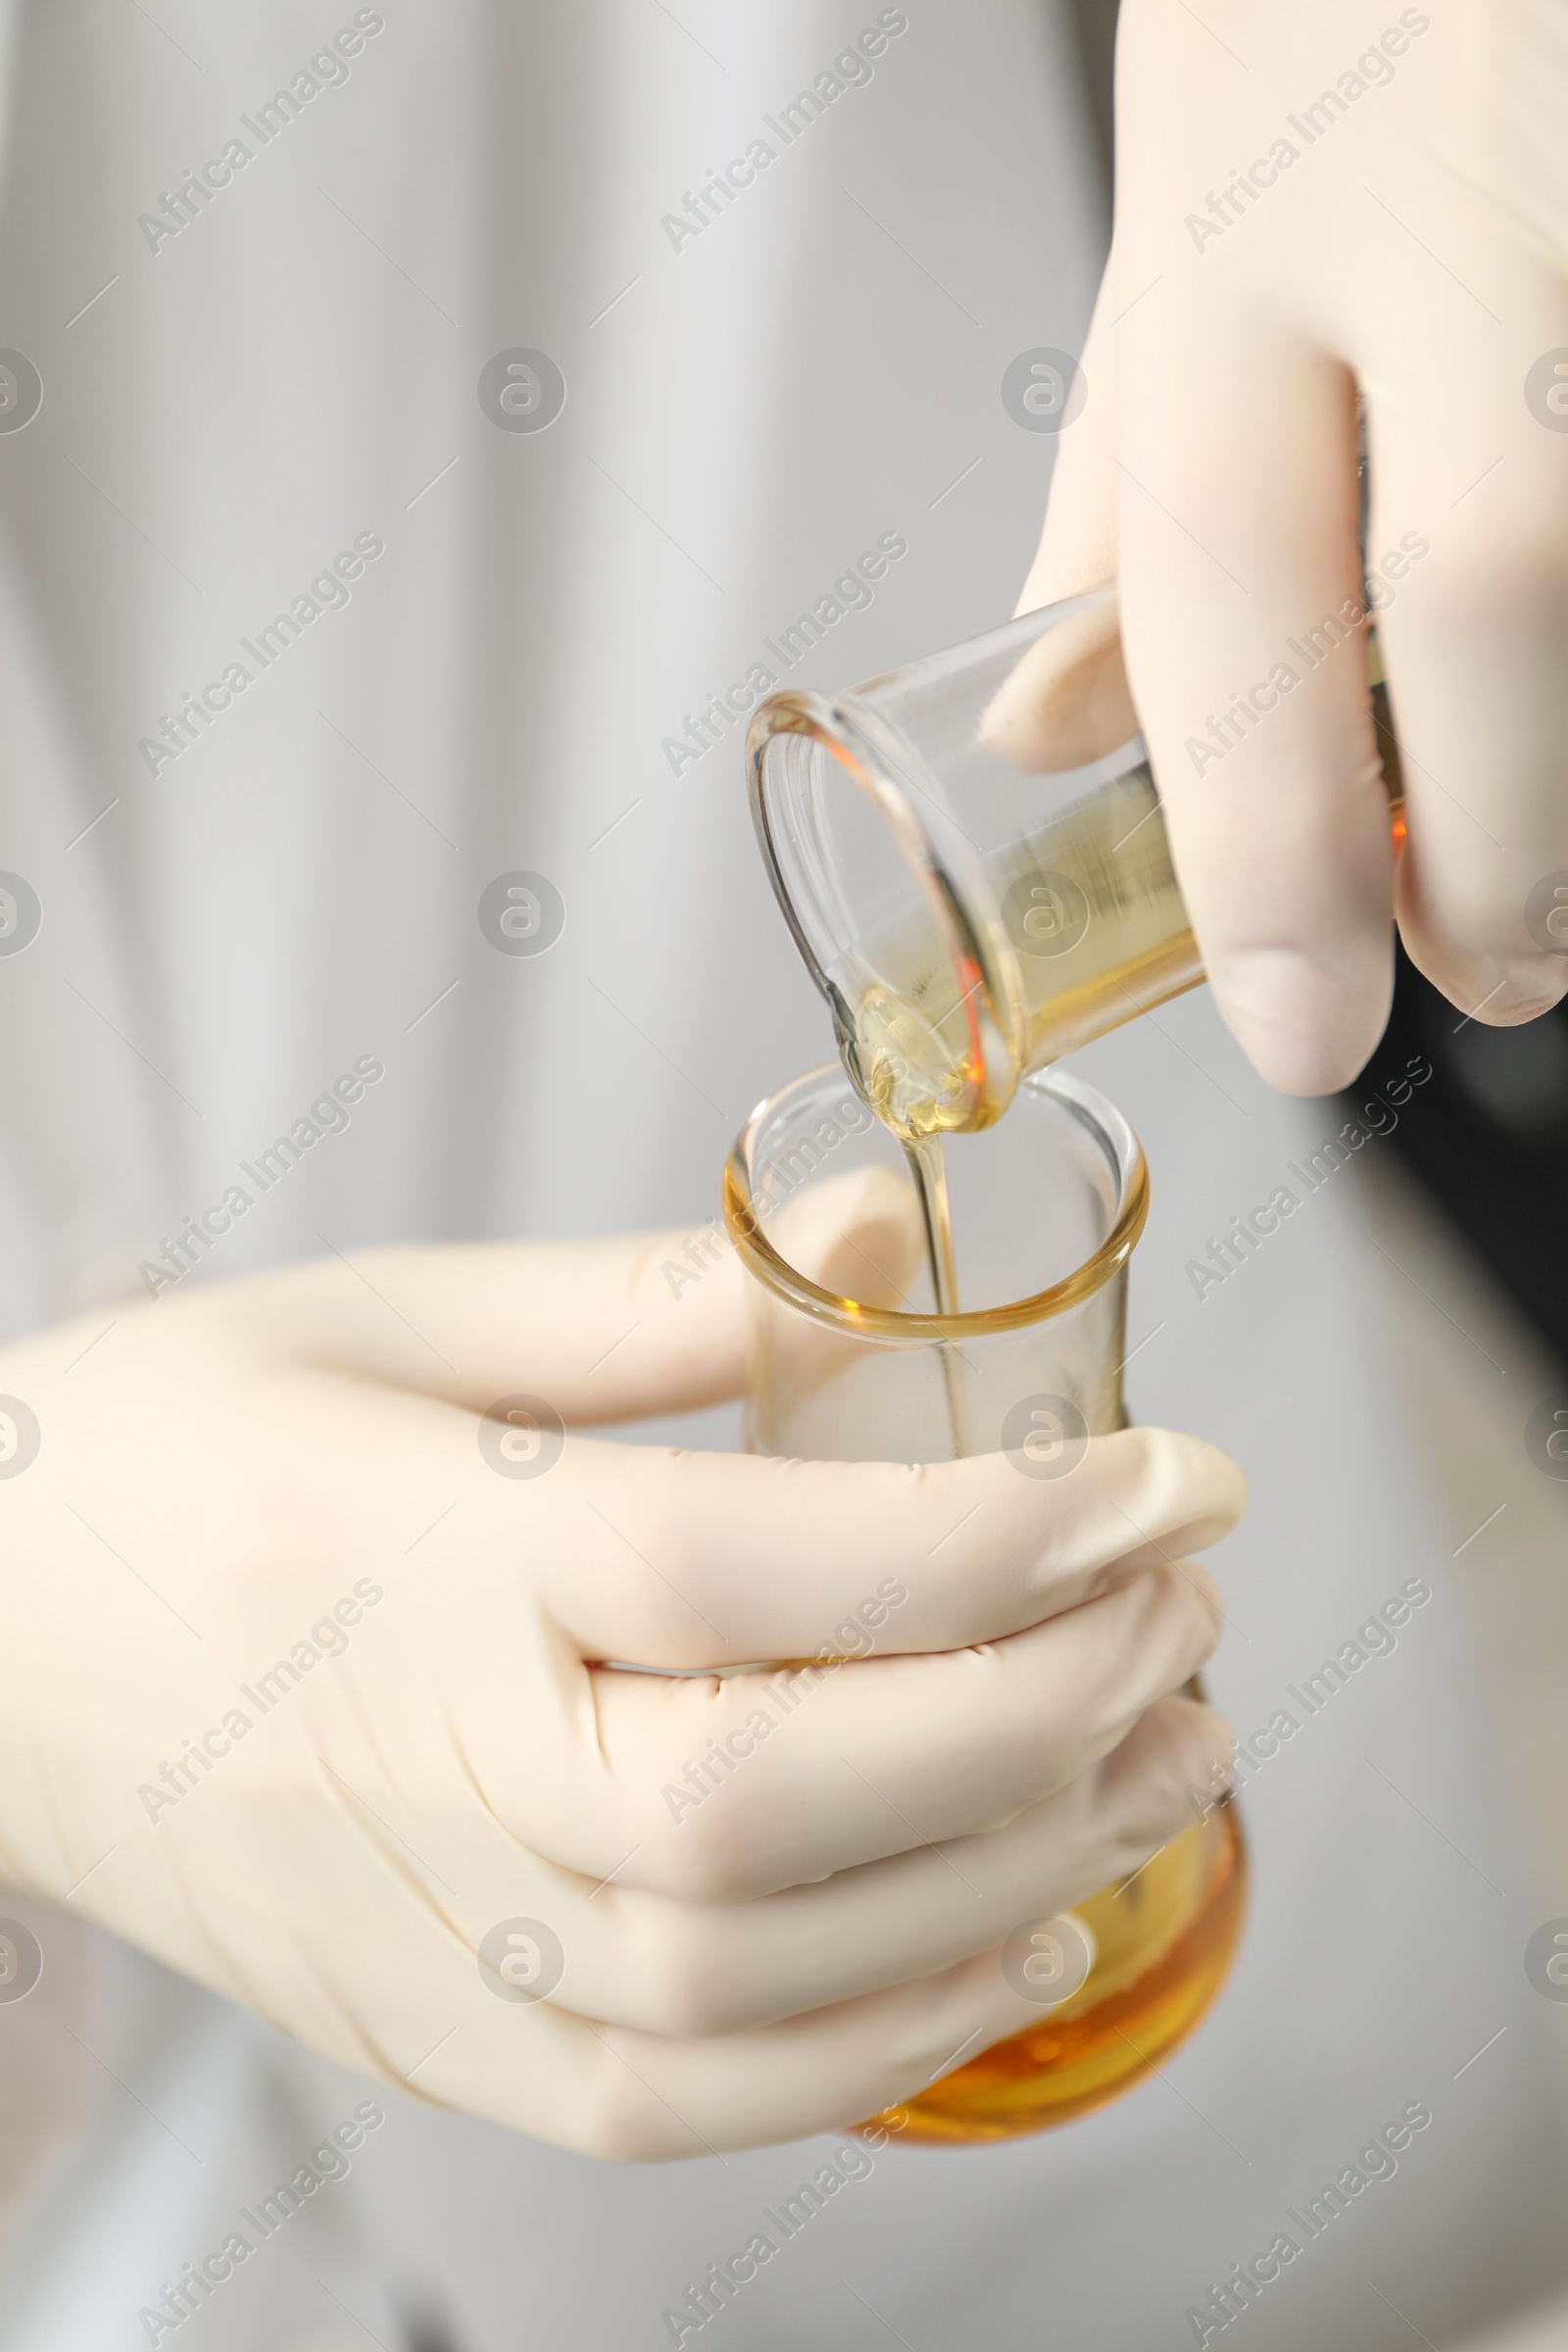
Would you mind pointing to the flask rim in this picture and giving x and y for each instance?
(1123, 1154)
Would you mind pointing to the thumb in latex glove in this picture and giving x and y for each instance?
(306, 1596)
(1310, 200)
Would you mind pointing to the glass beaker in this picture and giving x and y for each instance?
(852, 1362)
(973, 858)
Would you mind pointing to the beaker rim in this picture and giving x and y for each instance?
(887, 758)
(1123, 1151)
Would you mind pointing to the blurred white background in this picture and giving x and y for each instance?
(746, 411)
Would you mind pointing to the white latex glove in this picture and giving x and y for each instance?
(1415, 242)
(292, 1470)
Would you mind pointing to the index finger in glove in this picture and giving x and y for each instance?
(718, 1560)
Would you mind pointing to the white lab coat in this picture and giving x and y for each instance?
(511, 685)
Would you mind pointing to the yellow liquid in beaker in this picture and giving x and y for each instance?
(1092, 910)
(1099, 932)
(1164, 1938)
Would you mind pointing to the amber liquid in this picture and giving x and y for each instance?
(1094, 915)
(1090, 905)
(929, 1174)
(1093, 907)
(1162, 1938)
(1165, 1942)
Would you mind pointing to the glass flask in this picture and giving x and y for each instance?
(971, 855)
(851, 1361)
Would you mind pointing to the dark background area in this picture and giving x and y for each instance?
(1094, 23)
(1487, 1138)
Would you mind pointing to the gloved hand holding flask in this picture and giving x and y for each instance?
(308, 1595)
